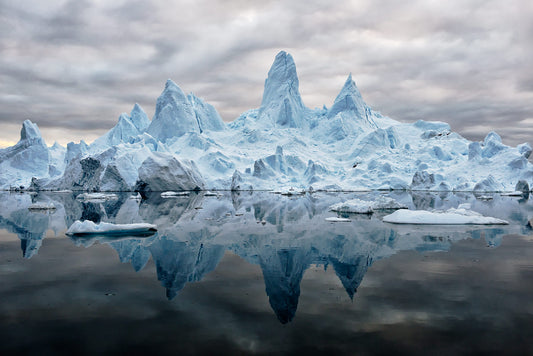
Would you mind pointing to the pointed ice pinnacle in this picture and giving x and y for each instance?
(29, 131)
(351, 102)
(139, 118)
(282, 105)
(174, 114)
(206, 114)
(128, 127)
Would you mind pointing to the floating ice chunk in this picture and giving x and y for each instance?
(512, 194)
(336, 219)
(171, 194)
(290, 191)
(88, 227)
(97, 197)
(358, 206)
(459, 216)
(211, 194)
(42, 206)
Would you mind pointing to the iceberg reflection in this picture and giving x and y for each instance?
(282, 235)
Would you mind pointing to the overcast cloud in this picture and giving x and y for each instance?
(72, 66)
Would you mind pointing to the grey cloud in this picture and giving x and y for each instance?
(467, 63)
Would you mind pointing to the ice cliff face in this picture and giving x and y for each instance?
(280, 145)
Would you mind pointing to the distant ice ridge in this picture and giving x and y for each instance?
(187, 146)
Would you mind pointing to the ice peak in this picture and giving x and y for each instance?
(351, 102)
(282, 104)
(56, 145)
(29, 131)
(282, 79)
(174, 114)
(170, 85)
(139, 118)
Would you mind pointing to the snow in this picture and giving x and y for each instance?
(348, 147)
(453, 216)
(358, 206)
(88, 227)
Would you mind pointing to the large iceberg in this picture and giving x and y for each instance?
(281, 144)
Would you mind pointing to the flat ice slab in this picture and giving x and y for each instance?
(42, 206)
(88, 227)
(335, 219)
(459, 216)
(97, 197)
(358, 206)
(171, 194)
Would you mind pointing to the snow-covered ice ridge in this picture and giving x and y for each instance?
(187, 146)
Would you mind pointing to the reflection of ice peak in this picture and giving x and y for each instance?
(283, 271)
(351, 274)
(132, 251)
(178, 263)
(30, 247)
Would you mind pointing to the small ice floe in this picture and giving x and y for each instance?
(42, 206)
(358, 206)
(88, 227)
(460, 216)
(97, 197)
(512, 194)
(485, 197)
(136, 197)
(171, 194)
(336, 219)
(290, 191)
(211, 194)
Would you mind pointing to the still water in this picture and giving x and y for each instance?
(262, 273)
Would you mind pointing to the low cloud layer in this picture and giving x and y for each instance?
(73, 66)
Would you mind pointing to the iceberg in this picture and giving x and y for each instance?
(358, 206)
(97, 197)
(43, 206)
(336, 219)
(88, 227)
(283, 143)
(452, 216)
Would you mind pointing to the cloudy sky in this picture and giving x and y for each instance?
(72, 66)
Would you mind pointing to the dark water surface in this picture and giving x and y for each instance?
(262, 273)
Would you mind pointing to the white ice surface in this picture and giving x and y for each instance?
(453, 216)
(359, 206)
(97, 197)
(89, 227)
(336, 219)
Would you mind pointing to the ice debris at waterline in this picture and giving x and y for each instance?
(88, 227)
(358, 206)
(453, 216)
(283, 143)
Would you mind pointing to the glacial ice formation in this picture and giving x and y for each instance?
(281, 144)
